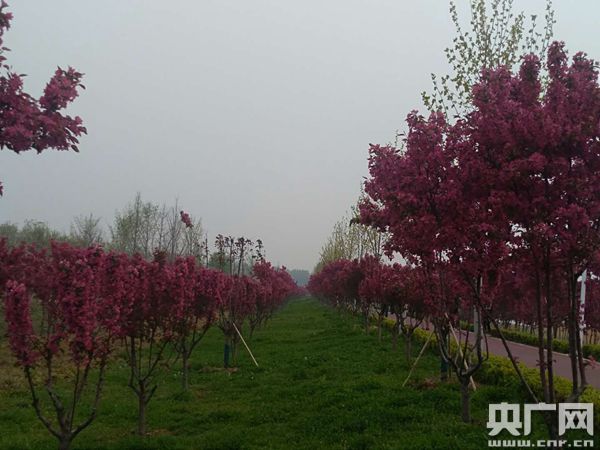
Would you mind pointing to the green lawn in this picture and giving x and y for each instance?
(322, 383)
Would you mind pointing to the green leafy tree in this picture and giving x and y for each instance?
(495, 36)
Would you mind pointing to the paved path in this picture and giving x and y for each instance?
(528, 355)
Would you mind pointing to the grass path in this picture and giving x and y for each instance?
(322, 383)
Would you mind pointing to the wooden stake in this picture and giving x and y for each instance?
(244, 342)
(418, 357)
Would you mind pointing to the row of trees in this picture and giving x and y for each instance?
(68, 308)
(370, 287)
(373, 288)
(494, 197)
(503, 204)
(69, 304)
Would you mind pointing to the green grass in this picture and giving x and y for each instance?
(322, 383)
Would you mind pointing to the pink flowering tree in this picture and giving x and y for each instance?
(194, 292)
(237, 303)
(276, 286)
(77, 328)
(337, 284)
(27, 123)
(240, 292)
(372, 290)
(266, 301)
(147, 327)
(405, 296)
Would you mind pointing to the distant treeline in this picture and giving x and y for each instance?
(141, 227)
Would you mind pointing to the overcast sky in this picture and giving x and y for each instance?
(255, 115)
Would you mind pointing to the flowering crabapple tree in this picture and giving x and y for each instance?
(346, 285)
(337, 283)
(265, 302)
(77, 326)
(236, 306)
(405, 298)
(28, 123)
(414, 195)
(372, 290)
(148, 327)
(195, 291)
(238, 295)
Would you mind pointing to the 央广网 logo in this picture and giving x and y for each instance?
(571, 416)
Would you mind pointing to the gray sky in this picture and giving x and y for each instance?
(256, 115)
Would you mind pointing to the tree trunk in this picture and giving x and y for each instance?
(380, 327)
(540, 330)
(408, 345)
(549, 335)
(572, 330)
(465, 396)
(64, 443)
(185, 376)
(141, 414)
